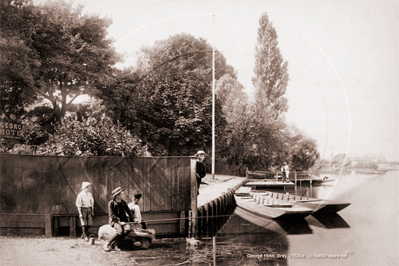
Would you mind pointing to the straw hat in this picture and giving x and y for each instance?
(116, 191)
(200, 152)
(85, 185)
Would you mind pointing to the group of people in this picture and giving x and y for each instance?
(119, 213)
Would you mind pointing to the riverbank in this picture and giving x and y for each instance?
(39, 250)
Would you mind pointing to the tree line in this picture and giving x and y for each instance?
(162, 106)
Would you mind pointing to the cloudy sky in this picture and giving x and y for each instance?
(342, 55)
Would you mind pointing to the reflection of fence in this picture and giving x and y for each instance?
(39, 192)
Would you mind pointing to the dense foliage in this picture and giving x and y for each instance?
(168, 101)
(163, 105)
(53, 52)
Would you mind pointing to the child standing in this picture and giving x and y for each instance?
(85, 205)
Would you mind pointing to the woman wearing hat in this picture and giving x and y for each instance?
(201, 168)
(85, 205)
(117, 212)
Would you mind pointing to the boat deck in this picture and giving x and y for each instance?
(275, 211)
(317, 205)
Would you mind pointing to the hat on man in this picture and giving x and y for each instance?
(285, 162)
(116, 191)
(85, 185)
(200, 152)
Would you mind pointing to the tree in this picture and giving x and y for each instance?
(169, 110)
(19, 61)
(234, 102)
(169, 100)
(271, 72)
(265, 124)
(184, 53)
(71, 52)
(303, 151)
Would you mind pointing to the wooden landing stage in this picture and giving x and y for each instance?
(301, 178)
(256, 185)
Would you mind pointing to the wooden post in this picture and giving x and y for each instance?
(56, 226)
(194, 195)
(48, 225)
(182, 223)
(72, 226)
(190, 225)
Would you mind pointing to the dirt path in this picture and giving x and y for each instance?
(36, 250)
(57, 251)
(60, 251)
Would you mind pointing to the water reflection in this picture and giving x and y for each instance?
(328, 221)
(270, 238)
(259, 241)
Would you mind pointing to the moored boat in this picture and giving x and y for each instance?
(271, 209)
(317, 205)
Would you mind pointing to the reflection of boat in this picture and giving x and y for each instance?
(267, 235)
(314, 180)
(291, 226)
(272, 209)
(328, 221)
(317, 205)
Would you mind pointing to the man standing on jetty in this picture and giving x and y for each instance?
(201, 168)
(117, 213)
(286, 172)
(85, 205)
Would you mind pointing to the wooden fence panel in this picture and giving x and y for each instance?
(136, 179)
(50, 184)
(175, 202)
(158, 183)
(9, 185)
(94, 172)
(70, 185)
(147, 166)
(48, 176)
(184, 175)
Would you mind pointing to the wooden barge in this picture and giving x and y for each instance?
(317, 205)
(271, 208)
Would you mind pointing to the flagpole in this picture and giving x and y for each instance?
(213, 102)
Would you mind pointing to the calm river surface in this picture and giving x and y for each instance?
(364, 233)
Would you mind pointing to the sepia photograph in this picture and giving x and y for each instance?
(199, 132)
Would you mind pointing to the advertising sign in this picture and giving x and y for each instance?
(10, 130)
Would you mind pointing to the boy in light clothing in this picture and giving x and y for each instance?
(85, 205)
(135, 208)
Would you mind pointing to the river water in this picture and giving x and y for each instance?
(364, 233)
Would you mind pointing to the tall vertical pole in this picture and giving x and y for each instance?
(213, 102)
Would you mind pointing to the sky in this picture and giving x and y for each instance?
(342, 58)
